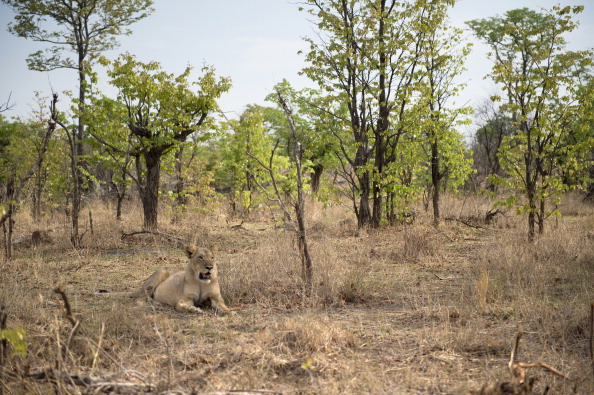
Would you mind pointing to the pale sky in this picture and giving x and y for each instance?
(255, 42)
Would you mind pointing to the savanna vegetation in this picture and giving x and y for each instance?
(365, 244)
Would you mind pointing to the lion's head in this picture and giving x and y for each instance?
(202, 262)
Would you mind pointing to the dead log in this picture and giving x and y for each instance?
(178, 240)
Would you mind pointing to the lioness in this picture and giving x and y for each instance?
(187, 289)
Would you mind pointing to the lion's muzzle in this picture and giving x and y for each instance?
(204, 277)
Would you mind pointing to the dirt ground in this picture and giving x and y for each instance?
(407, 309)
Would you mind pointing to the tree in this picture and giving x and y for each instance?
(493, 126)
(338, 67)
(588, 129)
(442, 60)
(85, 28)
(239, 173)
(161, 111)
(308, 116)
(537, 77)
(299, 203)
(368, 57)
(111, 144)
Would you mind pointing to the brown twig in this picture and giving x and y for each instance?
(66, 309)
(67, 312)
(514, 353)
(544, 366)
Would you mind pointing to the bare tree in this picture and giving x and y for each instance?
(494, 126)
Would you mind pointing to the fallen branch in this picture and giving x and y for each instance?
(518, 369)
(181, 241)
(490, 215)
(93, 385)
(520, 382)
(238, 226)
(467, 223)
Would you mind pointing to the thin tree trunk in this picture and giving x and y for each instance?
(382, 125)
(435, 179)
(179, 188)
(10, 197)
(530, 182)
(76, 192)
(37, 190)
(76, 147)
(541, 216)
(306, 262)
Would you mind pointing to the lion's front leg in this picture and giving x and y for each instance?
(217, 303)
(186, 305)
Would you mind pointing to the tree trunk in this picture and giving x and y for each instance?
(541, 216)
(530, 181)
(377, 181)
(315, 177)
(590, 187)
(76, 147)
(150, 195)
(36, 208)
(381, 126)
(120, 196)
(306, 262)
(120, 199)
(435, 179)
(10, 195)
(76, 194)
(364, 212)
(180, 199)
(530, 193)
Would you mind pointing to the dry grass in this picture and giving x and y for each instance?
(408, 309)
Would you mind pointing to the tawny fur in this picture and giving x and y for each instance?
(192, 287)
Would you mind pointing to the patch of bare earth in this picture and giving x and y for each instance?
(407, 309)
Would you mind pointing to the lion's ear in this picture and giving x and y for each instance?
(214, 248)
(191, 250)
